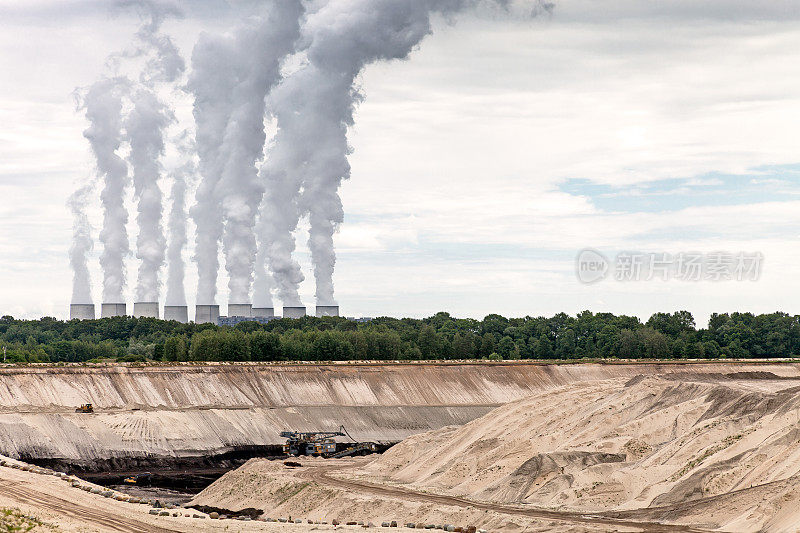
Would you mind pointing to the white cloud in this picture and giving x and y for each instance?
(458, 153)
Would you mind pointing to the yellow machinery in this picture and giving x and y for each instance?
(322, 444)
(139, 479)
(85, 408)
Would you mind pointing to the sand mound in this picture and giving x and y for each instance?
(714, 451)
(190, 410)
(645, 442)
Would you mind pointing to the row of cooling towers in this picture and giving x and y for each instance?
(203, 313)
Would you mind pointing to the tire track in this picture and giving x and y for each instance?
(78, 511)
(323, 476)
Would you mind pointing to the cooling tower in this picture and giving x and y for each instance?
(206, 313)
(327, 310)
(294, 312)
(81, 311)
(240, 310)
(145, 309)
(263, 312)
(109, 310)
(176, 312)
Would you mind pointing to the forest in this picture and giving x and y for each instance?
(441, 336)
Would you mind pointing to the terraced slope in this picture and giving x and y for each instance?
(193, 410)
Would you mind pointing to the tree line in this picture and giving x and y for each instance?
(441, 336)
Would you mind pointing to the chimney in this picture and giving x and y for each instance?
(81, 311)
(327, 310)
(263, 312)
(108, 310)
(294, 312)
(145, 309)
(245, 310)
(206, 314)
(176, 312)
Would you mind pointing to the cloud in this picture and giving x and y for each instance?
(462, 155)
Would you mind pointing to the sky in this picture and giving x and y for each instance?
(482, 165)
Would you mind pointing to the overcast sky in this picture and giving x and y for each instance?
(483, 164)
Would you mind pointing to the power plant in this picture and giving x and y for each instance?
(263, 312)
(108, 310)
(294, 312)
(145, 309)
(245, 310)
(81, 311)
(177, 312)
(327, 310)
(234, 172)
(206, 314)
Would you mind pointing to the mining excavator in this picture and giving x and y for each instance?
(85, 408)
(322, 443)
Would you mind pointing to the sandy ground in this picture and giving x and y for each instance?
(62, 507)
(169, 410)
(714, 452)
(316, 489)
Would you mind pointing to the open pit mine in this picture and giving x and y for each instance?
(512, 446)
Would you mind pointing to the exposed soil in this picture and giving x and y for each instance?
(701, 452)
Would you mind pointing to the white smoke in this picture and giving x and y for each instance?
(229, 113)
(145, 128)
(82, 245)
(178, 238)
(102, 104)
(145, 125)
(263, 283)
(314, 107)
(211, 82)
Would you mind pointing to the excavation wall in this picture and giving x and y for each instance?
(194, 410)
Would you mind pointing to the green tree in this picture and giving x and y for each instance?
(175, 349)
(565, 345)
(427, 342)
(487, 345)
(507, 349)
(265, 346)
(544, 348)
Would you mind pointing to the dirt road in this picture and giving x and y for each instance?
(323, 475)
(19, 493)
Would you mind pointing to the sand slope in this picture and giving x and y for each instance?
(657, 442)
(191, 410)
(715, 451)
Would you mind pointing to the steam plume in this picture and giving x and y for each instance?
(82, 245)
(263, 284)
(145, 130)
(310, 149)
(211, 81)
(314, 107)
(181, 177)
(102, 104)
(229, 111)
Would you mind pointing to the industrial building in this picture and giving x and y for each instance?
(145, 310)
(112, 309)
(81, 311)
(233, 320)
(264, 312)
(245, 310)
(327, 310)
(294, 311)
(206, 314)
(177, 312)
